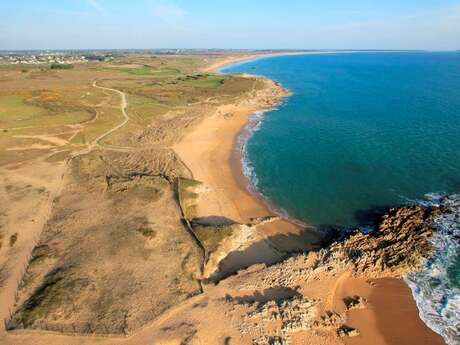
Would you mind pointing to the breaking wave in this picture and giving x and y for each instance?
(436, 288)
(253, 125)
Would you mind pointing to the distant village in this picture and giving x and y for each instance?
(41, 58)
(72, 57)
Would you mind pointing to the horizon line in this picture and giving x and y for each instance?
(228, 49)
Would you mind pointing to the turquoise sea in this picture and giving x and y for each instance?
(362, 132)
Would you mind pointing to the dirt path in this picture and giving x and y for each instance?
(123, 106)
(97, 142)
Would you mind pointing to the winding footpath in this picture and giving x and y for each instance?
(123, 106)
(97, 142)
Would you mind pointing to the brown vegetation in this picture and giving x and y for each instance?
(114, 253)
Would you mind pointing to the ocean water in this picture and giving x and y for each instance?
(362, 132)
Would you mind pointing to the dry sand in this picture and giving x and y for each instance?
(207, 151)
(390, 316)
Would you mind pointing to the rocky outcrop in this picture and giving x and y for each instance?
(397, 246)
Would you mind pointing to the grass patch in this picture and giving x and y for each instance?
(145, 188)
(188, 183)
(187, 196)
(61, 66)
(235, 86)
(107, 119)
(166, 72)
(39, 254)
(13, 108)
(146, 70)
(147, 232)
(203, 80)
(138, 71)
(212, 236)
(14, 113)
(13, 239)
(144, 109)
(56, 293)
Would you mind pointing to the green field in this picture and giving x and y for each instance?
(16, 113)
(144, 109)
(203, 81)
(107, 119)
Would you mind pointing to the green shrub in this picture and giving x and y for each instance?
(61, 66)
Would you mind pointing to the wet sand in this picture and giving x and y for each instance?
(390, 316)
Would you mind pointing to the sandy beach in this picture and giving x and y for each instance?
(231, 60)
(207, 151)
(235, 59)
(391, 317)
(213, 153)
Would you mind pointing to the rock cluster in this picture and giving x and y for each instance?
(330, 320)
(286, 316)
(399, 244)
(346, 331)
(281, 318)
(354, 302)
(270, 340)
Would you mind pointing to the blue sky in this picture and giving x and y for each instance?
(290, 24)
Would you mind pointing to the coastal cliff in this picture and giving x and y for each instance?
(305, 294)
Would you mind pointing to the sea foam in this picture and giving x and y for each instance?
(436, 288)
(253, 125)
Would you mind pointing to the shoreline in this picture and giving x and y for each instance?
(236, 160)
(237, 164)
(223, 159)
(212, 151)
(391, 316)
(276, 296)
(232, 60)
(208, 150)
(387, 325)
